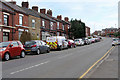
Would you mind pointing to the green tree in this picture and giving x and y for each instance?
(26, 36)
(77, 29)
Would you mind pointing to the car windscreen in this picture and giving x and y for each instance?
(30, 43)
(76, 40)
(4, 44)
(114, 39)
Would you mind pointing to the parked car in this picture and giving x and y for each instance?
(36, 46)
(11, 49)
(93, 40)
(79, 42)
(86, 41)
(57, 42)
(71, 43)
(116, 41)
(90, 41)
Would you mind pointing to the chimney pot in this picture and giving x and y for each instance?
(49, 12)
(13, 2)
(59, 17)
(25, 4)
(66, 19)
(35, 8)
(43, 11)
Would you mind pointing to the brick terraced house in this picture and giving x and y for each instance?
(41, 24)
(19, 20)
(6, 22)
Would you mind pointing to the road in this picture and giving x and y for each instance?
(68, 63)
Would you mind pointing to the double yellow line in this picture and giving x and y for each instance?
(94, 64)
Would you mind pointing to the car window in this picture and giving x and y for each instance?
(15, 44)
(76, 40)
(4, 44)
(43, 43)
(30, 43)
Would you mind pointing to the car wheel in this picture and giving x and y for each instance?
(60, 48)
(74, 46)
(6, 56)
(22, 55)
(48, 50)
(38, 52)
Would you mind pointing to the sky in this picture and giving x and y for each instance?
(96, 14)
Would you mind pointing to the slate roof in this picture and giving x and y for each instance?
(3, 7)
(15, 7)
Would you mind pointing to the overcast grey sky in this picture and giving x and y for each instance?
(97, 14)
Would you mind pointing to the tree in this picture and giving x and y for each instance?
(77, 29)
(117, 34)
(26, 36)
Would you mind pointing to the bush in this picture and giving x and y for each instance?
(26, 36)
(35, 38)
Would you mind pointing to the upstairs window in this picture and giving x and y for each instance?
(57, 25)
(20, 19)
(33, 23)
(63, 27)
(58, 33)
(43, 22)
(51, 25)
(6, 20)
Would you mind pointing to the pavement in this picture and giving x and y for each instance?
(68, 63)
(108, 68)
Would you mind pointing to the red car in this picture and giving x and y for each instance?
(11, 49)
(71, 44)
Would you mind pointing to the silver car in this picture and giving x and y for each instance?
(116, 41)
(36, 46)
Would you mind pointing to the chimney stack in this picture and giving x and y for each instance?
(49, 12)
(59, 17)
(25, 4)
(13, 2)
(66, 19)
(35, 8)
(43, 11)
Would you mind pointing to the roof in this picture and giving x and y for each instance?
(110, 29)
(35, 13)
(5, 8)
(30, 12)
(15, 7)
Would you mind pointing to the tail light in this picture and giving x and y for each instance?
(23, 45)
(79, 41)
(33, 45)
(69, 42)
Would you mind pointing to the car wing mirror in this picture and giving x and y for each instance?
(11, 45)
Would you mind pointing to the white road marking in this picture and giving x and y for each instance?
(29, 67)
(65, 56)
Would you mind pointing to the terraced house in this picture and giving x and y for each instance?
(34, 20)
(19, 21)
(6, 22)
(40, 24)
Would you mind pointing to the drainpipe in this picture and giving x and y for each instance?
(12, 26)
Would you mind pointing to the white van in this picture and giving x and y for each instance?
(57, 42)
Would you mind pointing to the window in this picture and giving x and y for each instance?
(20, 33)
(43, 43)
(51, 25)
(5, 36)
(33, 23)
(63, 27)
(6, 19)
(15, 44)
(20, 19)
(68, 27)
(57, 25)
(43, 22)
(58, 33)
